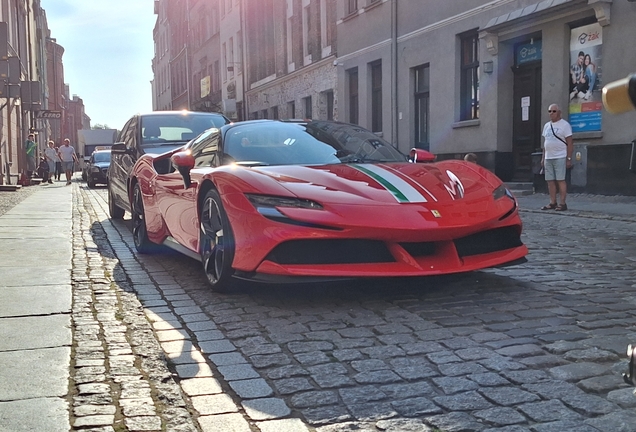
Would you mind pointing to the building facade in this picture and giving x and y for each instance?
(161, 93)
(451, 77)
(478, 76)
(34, 97)
(291, 52)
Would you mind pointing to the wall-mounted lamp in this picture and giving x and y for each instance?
(488, 67)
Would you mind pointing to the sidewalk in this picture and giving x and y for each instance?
(583, 205)
(35, 311)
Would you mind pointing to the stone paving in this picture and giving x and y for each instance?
(538, 347)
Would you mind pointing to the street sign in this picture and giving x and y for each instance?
(48, 114)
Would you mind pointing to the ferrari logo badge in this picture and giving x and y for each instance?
(436, 213)
(455, 188)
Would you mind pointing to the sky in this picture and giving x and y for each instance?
(108, 51)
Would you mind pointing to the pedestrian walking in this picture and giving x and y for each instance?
(557, 157)
(68, 156)
(30, 148)
(51, 158)
(58, 164)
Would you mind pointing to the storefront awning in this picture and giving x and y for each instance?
(539, 11)
(546, 7)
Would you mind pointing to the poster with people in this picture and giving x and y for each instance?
(585, 73)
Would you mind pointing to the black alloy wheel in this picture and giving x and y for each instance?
(216, 244)
(114, 211)
(139, 230)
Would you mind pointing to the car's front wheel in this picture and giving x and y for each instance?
(115, 211)
(216, 244)
(139, 230)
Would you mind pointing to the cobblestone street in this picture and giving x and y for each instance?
(537, 347)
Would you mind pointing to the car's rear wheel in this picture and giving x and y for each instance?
(114, 211)
(216, 244)
(139, 230)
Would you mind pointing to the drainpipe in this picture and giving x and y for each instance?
(244, 80)
(394, 70)
(187, 55)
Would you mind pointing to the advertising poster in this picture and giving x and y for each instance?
(585, 74)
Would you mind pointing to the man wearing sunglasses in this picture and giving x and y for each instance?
(557, 157)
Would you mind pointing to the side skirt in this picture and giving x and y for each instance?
(172, 244)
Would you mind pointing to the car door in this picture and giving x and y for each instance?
(178, 204)
(116, 172)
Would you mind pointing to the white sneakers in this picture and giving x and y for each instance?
(573, 95)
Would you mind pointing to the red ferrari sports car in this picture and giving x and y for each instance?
(270, 200)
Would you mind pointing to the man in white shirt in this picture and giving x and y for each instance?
(557, 157)
(68, 156)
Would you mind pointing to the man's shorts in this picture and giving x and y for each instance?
(68, 166)
(554, 169)
(51, 166)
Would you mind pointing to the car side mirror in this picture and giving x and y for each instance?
(183, 161)
(120, 148)
(421, 156)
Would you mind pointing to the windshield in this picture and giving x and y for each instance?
(178, 128)
(278, 143)
(101, 157)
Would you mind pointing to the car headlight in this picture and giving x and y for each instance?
(502, 191)
(271, 202)
(95, 169)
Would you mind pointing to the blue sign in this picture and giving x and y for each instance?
(585, 121)
(528, 52)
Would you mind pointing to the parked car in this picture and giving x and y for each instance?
(270, 201)
(153, 133)
(96, 169)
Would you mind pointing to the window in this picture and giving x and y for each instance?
(231, 63)
(352, 6)
(216, 77)
(421, 99)
(291, 109)
(275, 112)
(469, 86)
(224, 59)
(353, 95)
(376, 97)
(329, 100)
(308, 107)
(307, 35)
(239, 51)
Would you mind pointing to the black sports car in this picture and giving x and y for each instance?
(153, 133)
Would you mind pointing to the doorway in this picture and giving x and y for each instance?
(526, 126)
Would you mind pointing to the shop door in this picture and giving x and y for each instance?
(526, 127)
